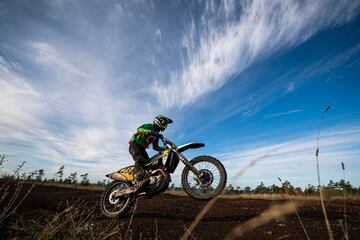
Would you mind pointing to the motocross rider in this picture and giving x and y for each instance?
(146, 134)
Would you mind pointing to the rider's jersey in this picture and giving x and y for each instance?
(144, 137)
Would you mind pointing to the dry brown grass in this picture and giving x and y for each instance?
(13, 197)
(79, 221)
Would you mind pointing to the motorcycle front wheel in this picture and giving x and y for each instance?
(212, 178)
(113, 206)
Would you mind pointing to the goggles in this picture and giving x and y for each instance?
(164, 123)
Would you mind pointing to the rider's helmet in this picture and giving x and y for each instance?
(161, 122)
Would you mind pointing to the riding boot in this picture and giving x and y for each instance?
(138, 173)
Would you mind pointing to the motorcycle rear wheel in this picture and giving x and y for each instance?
(112, 206)
(212, 182)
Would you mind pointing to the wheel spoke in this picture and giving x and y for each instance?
(211, 181)
(114, 206)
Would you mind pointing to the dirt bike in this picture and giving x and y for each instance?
(203, 177)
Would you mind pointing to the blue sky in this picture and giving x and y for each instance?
(248, 78)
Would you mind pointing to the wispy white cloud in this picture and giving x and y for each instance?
(251, 102)
(290, 87)
(158, 33)
(279, 114)
(216, 51)
(74, 118)
(82, 92)
(296, 156)
(19, 102)
(48, 55)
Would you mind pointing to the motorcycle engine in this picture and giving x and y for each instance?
(155, 181)
(158, 182)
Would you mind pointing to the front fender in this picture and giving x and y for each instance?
(187, 146)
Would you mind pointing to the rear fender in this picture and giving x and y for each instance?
(124, 174)
(117, 177)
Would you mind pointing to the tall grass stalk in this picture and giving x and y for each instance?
(192, 236)
(196, 221)
(346, 234)
(212, 201)
(297, 214)
(2, 159)
(156, 230)
(131, 220)
(255, 161)
(274, 212)
(331, 237)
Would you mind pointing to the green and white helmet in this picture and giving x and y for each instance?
(161, 122)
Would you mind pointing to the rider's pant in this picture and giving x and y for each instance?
(139, 155)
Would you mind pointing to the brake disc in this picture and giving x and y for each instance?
(112, 199)
(206, 178)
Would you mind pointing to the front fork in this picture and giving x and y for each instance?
(188, 164)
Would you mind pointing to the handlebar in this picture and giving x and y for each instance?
(167, 142)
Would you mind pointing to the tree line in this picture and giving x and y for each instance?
(333, 188)
(39, 175)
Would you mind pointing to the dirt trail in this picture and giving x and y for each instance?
(170, 215)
